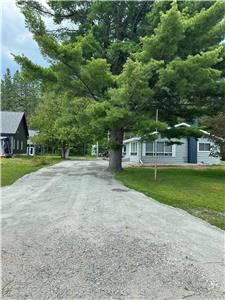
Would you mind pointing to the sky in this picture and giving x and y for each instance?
(16, 38)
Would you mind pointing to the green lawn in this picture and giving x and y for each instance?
(200, 191)
(16, 167)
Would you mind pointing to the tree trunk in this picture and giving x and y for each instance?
(65, 151)
(115, 151)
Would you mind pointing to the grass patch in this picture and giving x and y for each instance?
(201, 192)
(16, 167)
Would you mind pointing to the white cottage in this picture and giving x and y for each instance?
(190, 151)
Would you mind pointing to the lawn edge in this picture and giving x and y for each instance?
(183, 211)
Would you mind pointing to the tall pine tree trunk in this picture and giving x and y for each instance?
(115, 151)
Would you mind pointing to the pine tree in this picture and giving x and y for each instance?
(129, 61)
(19, 93)
(7, 92)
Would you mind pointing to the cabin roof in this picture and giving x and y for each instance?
(10, 121)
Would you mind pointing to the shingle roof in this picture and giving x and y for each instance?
(10, 121)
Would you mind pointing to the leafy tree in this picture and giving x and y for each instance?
(59, 120)
(129, 60)
(19, 93)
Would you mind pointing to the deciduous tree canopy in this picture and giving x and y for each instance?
(61, 122)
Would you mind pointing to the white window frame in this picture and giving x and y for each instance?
(204, 151)
(124, 150)
(134, 153)
(31, 151)
(152, 154)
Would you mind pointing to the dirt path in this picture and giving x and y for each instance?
(72, 231)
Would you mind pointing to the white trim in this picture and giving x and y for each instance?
(134, 139)
(174, 148)
(134, 153)
(182, 124)
(205, 132)
(31, 150)
(203, 151)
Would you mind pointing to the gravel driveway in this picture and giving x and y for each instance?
(72, 231)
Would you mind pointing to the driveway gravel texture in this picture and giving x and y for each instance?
(71, 231)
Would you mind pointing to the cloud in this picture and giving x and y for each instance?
(6, 53)
(16, 38)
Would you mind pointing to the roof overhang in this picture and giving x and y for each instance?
(134, 139)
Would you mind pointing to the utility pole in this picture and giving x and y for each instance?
(155, 169)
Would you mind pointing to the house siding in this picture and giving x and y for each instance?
(204, 157)
(186, 152)
(20, 137)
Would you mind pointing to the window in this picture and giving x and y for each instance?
(160, 148)
(21, 145)
(133, 149)
(18, 145)
(168, 150)
(204, 147)
(149, 150)
(163, 149)
(14, 144)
